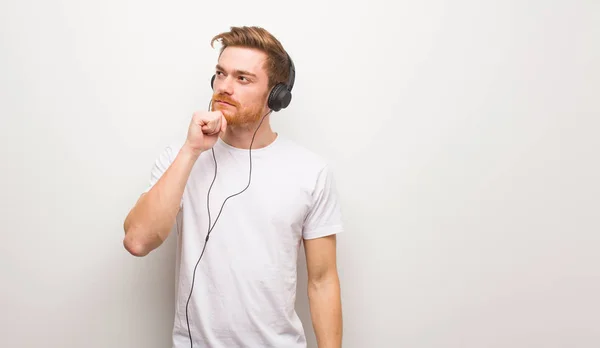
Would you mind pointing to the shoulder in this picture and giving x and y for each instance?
(304, 166)
(301, 157)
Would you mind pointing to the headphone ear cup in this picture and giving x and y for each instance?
(286, 98)
(279, 98)
(212, 82)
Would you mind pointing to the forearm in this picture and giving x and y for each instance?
(326, 311)
(150, 221)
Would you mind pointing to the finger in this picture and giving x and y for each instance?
(208, 130)
(216, 125)
(223, 123)
(213, 126)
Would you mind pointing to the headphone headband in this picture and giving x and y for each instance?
(292, 77)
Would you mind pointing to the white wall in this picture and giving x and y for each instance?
(464, 135)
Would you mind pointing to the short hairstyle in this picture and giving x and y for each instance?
(277, 64)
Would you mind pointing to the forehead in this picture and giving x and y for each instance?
(242, 58)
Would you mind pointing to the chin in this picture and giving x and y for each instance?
(227, 113)
(231, 120)
(236, 118)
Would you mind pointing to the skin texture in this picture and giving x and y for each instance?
(239, 104)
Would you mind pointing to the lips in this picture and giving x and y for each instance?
(224, 102)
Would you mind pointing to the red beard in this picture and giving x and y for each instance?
(234, 113)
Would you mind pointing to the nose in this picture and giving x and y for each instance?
(224, 85)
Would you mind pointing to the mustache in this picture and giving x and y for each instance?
(225, 99)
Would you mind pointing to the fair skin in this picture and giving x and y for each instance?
(241, 85)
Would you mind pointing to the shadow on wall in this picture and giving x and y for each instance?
(302, 304)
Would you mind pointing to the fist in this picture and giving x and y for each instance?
(204, 130)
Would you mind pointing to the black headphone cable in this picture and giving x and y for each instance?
(217, 218)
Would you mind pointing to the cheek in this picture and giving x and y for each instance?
(251, 101)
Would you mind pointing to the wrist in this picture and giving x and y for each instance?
(190, 152)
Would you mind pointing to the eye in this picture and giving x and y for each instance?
(243, 78)
(218, 73)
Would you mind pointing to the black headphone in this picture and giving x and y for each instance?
(281, 94)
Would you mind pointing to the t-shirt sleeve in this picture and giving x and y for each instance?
(161, 164)
(324, 217)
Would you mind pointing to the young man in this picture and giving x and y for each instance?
(257, 195)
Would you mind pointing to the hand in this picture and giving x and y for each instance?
(204, 130)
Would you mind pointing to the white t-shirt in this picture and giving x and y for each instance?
(245, 285)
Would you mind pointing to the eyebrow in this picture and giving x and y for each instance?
(237, 72)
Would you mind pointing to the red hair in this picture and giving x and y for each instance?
(277, 64)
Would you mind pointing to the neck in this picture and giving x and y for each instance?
(241, 136)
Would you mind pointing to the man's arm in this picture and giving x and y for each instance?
(324, 291)
(150, 221)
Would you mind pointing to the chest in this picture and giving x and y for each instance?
(267, 200)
